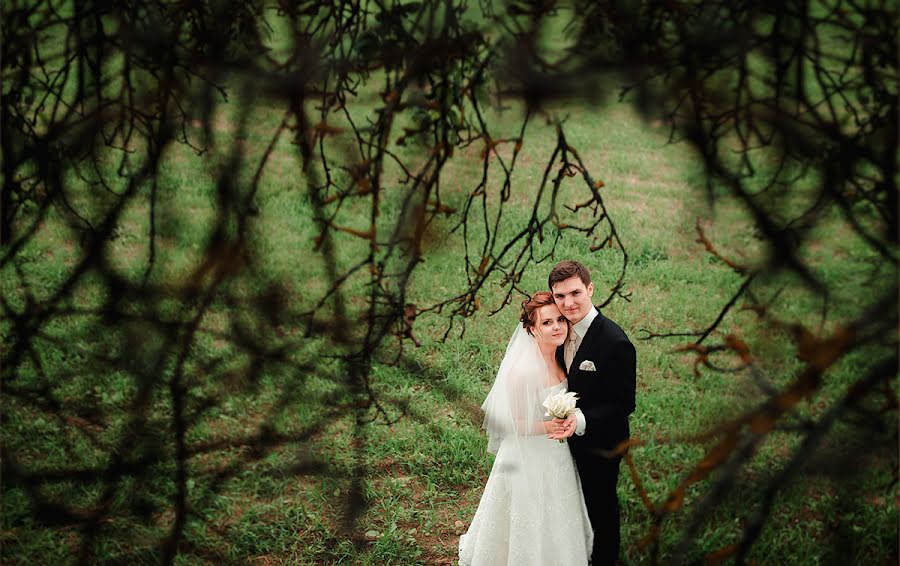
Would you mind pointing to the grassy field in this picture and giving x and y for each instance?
(421, 470)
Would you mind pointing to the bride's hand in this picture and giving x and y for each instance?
(554, 427)
(562, 428)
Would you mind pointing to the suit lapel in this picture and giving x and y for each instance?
(587, 343)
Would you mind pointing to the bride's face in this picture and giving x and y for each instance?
(551, 325)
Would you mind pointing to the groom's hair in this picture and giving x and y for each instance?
(568, 268)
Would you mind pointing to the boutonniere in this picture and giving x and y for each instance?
(587, 365)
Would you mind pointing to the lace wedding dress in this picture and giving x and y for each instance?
(532, 510)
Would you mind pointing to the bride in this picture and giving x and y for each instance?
(532, 510)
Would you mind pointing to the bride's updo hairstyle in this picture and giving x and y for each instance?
(530, 308)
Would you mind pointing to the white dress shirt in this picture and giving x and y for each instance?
(579, 329)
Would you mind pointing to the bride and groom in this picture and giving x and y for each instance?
(548, 502)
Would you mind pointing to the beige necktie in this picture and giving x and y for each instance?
(571, 348)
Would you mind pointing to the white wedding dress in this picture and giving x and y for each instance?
(532, 510)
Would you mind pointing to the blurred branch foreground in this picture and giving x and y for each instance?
(122, 367)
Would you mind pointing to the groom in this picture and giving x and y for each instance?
(600, 362)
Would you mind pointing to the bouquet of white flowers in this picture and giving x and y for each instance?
(560, 406)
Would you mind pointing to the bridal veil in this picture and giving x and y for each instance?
(513, 410)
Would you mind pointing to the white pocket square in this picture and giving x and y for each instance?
(587, 365)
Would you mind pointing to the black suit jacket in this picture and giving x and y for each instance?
(605, 396)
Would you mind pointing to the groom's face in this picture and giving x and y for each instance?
(573, 298)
